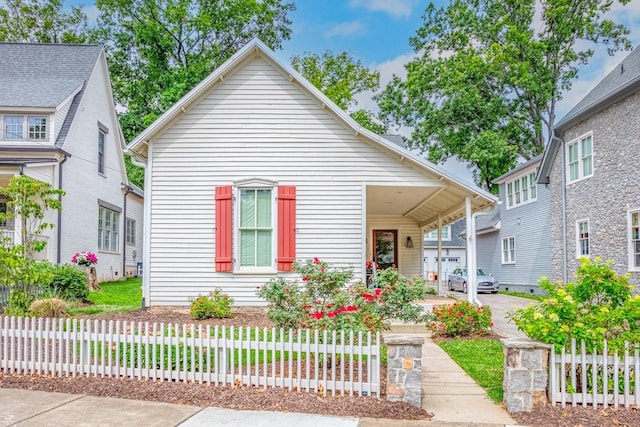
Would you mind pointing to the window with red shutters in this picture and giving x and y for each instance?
(286, 227)
(224, 228)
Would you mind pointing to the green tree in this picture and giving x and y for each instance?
(488, 74)
(41, 21)
(341, 77)
(29, 202)
(159, 50)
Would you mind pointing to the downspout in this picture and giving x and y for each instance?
(124, 243)
(59, 231)
(439, 267)
(471, 258)
(563, 180)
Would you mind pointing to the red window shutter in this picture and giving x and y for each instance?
(286, 227)
(224, 230)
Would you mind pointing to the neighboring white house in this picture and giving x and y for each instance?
(58, 125)
(454, 251)
(255, 168)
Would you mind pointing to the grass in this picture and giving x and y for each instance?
(482, 359)
(120, 296)
(522, 295)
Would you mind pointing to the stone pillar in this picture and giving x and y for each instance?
(404, 368)
(526, 374)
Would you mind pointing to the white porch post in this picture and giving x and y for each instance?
(471, 256)
(439, 269)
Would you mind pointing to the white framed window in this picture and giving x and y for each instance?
(101, 138)
(20, 128)
(13, 127)
(580, 158)
(108, 229)
(634, 240)
(255, 219)
(509, 250)
(433, 235)
(582, 239)
(130, 232)
(521, 190)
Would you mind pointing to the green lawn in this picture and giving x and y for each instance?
(522, 295)
(120, 296)
(482, 359)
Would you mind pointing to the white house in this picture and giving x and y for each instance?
(58, 125)
(255, 168)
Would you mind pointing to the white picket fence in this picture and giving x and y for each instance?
(304, 360)
(587, 377)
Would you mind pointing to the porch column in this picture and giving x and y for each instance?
(439, 269)
(471, 257)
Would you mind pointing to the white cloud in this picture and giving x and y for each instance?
(345, 29)
(395, 8)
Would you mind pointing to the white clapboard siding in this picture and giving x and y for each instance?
(258, 123)
(135, 210)
(580, 375)
(335, 363)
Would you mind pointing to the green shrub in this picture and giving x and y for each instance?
(69, 282)
(460, 319)
(50, 307)
(216, 304)
(322, 299)
(20, 298)
(597, 306)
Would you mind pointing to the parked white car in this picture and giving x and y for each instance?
(486, 282)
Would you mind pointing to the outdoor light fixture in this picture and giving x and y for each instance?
(409, 242)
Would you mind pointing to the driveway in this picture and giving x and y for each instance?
(500, 305)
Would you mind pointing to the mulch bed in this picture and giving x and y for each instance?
(547, 415)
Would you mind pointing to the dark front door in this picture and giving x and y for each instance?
(385, 248)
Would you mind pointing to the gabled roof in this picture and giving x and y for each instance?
(43, 75)
(138, 146)
(623, 80)
(518, 169)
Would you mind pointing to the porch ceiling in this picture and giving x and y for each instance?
(422, 204)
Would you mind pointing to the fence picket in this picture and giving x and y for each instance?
(228, 356)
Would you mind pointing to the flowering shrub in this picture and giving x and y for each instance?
(216, 304)
(460, 318)
(597, 306)
(321, 299)
(85, 258)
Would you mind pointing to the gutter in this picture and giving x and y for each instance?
(59, 234)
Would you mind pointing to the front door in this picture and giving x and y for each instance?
(385, 248)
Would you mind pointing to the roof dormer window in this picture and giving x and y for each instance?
(20, 128)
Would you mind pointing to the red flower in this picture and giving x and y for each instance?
(352, 308)
(316, 260)
(491, 324)
(257, 287)
(305, 278)
(367, 297)
(332, 314)
(409, 282)
(286, 289)
(318, 315)
(469, 319)
(438, 314)
(378, 292)
(459, 314)
(322, 270)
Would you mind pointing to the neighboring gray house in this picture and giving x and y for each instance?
(454, 252)
(58, 125)
(591, 168)
(513, 242)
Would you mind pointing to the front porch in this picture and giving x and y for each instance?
(398, 216)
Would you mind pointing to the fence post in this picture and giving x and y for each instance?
(404, 368)
(526, 373)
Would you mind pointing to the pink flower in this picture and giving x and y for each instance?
(378, 292)
(316, 260)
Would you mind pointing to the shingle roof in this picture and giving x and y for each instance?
(623, 74)
(43, 75)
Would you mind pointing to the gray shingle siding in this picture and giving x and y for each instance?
(606, 197)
